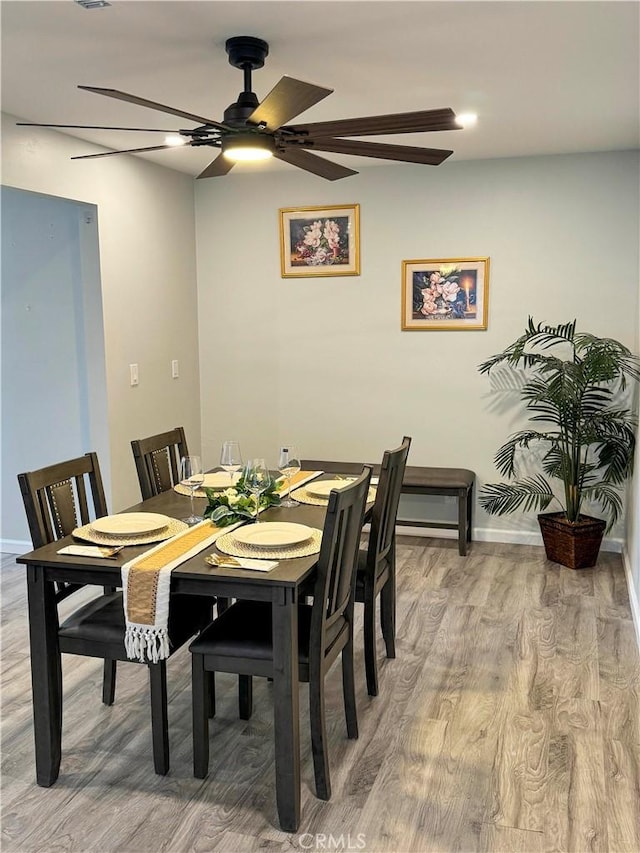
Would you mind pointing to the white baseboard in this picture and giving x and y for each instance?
(15, 546)
(487, 534)
(633, 594)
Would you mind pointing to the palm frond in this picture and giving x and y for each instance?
(615, 454)
(529, 493)
(609, 499)
(505, 457)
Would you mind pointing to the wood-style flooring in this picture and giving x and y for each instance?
(509, 721)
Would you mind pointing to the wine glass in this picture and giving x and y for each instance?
(191, 476)
(231, 458)
(288, 465)
(256, 479)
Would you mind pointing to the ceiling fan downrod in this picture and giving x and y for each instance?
(246, 53)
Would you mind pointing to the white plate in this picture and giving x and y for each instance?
(321, 488)
(129, 523)
(220, 480)
(272, 534)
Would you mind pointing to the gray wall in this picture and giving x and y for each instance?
(632, 544)
(322, 362)
(146, 233)
(53, 376)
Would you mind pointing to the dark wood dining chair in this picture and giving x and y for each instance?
(376, 563)
(157, 461)
(376, 575)
(240, 640)
(57, 499)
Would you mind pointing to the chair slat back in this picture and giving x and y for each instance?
(157, 461)
(385, 508)
(335, 580)
(55, 501)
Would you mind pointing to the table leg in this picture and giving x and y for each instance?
(46, 675)
(286, 711)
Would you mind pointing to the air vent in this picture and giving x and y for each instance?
(92, 4)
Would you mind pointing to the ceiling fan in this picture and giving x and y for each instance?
(252, 130)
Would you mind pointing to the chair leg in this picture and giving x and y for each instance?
(245, 696)
(370, 663)
(222, 604)
(210, 686)
(319, 738)
(388, 615)
(109, 682)
(159, 717)
(349, 690)
(199, 697)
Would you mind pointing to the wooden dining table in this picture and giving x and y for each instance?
(282, 586)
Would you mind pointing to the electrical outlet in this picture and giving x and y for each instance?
(175, 371)
(133, 374)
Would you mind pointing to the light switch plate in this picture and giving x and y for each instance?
(133, 374)
(175, 371)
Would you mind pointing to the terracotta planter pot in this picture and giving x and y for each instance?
(572, 544)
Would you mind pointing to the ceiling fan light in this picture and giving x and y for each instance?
(248, 147)
(467, 119)
(175, 140)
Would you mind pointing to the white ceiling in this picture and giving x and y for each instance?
(543, 77)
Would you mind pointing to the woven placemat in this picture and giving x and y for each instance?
(200, 492)
(183, 490)
(88, 534)
(305, 497)
(228, 544)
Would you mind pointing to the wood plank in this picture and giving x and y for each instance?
(509, 721)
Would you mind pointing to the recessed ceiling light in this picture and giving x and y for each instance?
(175, 140)
(92, 4)
(467, 119)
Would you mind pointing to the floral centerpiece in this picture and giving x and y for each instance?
(237, 503)
(322, 244)
(437, 294)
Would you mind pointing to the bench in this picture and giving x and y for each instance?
(455, 482)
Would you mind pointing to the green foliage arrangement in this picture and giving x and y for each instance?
(237, 503)
(574, 390)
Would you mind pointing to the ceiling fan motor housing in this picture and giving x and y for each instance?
(237, 114)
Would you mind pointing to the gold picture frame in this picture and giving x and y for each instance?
(445, 294)
(317, 241)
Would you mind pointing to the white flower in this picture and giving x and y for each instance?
(332, 233)
(313, 234)
(450, 291)
(318, 257)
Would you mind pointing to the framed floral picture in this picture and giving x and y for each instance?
(320, 241)
(449, 294)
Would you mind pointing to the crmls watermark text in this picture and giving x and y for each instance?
(328, 841)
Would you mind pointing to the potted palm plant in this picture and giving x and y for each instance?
(574, 389)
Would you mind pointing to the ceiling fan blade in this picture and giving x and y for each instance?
(95, 127)
(406, 153)
(127, 151)
(217, 168)
(302, 158)
(417, 122)
(288, 98)
(143, 102)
